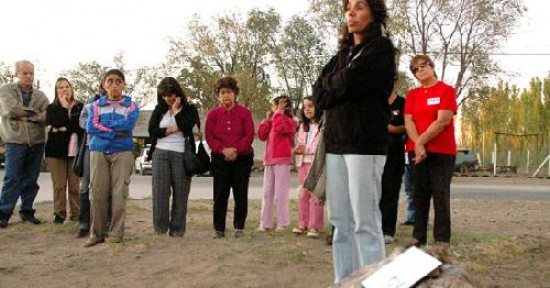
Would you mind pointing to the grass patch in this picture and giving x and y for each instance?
(137, 243)
(67, 227)
(132, 206)
(472, 238)
(479, 257)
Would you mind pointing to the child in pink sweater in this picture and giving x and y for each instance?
(277, 130)
(310, 211)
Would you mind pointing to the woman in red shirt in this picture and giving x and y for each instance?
(229, 131)
(429, 111)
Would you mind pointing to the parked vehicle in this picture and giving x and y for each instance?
(141, 164)
(465, 161)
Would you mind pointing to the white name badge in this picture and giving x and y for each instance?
(433, 101)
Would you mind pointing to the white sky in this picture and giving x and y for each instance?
(532, 42)
(58, 34)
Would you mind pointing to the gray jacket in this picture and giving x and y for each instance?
(11, 107)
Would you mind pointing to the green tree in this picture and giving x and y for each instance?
(86, 78)
(328, 16)
(5, 74)
(298, 57)
(228, 46)
(545, 142)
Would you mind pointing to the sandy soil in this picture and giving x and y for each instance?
(501, 243)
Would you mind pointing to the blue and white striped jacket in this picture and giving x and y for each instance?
(106, 118)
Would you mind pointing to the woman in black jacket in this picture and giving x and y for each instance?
(171, 124)
(353, 89)
(61, 147)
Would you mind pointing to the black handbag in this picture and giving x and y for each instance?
(196, 163)
(78, 163)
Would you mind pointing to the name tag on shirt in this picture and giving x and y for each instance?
(434, 101)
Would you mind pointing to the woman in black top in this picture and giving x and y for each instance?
(61, 147)
(171, 124)
(353, 89)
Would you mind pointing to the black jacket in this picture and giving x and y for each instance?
(186, 119)
(353, 89)
(57, 143)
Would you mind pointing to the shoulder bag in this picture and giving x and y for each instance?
(196, 163)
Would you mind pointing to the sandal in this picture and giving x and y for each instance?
(298, 230)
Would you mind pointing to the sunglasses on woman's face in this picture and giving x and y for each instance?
(415, 68)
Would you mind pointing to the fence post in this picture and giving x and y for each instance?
(528, 159)
(495, 160)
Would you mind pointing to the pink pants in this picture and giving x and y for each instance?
(276, 186)
(310, 212)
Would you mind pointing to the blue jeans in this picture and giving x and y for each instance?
(21, 176)
(354, 189)
(409, 191)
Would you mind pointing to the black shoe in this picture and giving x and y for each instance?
(28, 216)
(57, 219)
(407, 223)
(81, 233)
(176, 234)
(218, 235)
(238, 233)
(3, 220)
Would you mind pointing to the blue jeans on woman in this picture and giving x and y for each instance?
(20, 177)
(354, 189)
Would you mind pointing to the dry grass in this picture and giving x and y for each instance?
(48, 254)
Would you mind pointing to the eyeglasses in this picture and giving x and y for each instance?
(415, 68)
(171, 95)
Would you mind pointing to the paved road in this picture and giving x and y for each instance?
(462, 188)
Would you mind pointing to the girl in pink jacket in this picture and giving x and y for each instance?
(310, 211)
(277, 130)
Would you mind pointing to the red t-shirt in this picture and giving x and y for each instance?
(423, 104)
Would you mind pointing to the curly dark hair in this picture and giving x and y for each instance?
(168, 86)
(377, 7)
(379, 14)
(226, 82)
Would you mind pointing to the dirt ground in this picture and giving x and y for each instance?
(501, 243)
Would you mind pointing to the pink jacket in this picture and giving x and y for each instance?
(309, 153)
(278, 132)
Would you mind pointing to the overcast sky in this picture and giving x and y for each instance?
(58, 34)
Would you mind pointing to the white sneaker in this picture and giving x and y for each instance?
(388, 239)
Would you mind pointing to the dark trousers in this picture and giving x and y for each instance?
(231, 175)
(432, 179)
(391, 184)
(84, 216)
